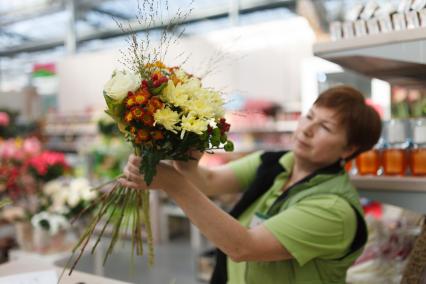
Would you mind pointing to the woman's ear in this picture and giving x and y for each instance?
(348, 151)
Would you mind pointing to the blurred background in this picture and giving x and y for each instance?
(270, 58)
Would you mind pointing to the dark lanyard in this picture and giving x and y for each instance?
(275, 207)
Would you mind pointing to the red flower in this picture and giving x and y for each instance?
(142, 96)
(130, 100)
(154, 104)
(147, 119)
(137, 112)
(142, 135)
(128, 117)
(157, 135)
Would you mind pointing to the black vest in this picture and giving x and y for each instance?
(265, 176)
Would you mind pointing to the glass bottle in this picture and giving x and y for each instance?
(368, 163)
(395, 156)
(418, 152)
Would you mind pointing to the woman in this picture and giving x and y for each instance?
(299, 219)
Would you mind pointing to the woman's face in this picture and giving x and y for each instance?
(320, 138)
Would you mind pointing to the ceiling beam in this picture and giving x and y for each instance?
(14, 35)
(29, 13)
(202, 15)
(113, 14)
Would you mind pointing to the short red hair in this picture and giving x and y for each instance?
(362, 122)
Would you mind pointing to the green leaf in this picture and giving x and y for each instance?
(216, 134)
(223, 138)
(119, 110)
(150, 160)
(215, 142)
(109, 101)
(157, 91)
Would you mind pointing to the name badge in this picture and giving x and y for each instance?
(258, 218)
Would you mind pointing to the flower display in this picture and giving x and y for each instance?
(4, 119)
(48, 165)
(67, 196)
(15, 181)
(51, 222)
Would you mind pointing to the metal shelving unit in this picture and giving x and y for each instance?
(400, 58)
(407, 192)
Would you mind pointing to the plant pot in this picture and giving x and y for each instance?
(45, 243)
(24, 235)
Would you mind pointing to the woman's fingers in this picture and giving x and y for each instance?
(132, 176)
(126, 183)
(133, 167)
(136, 160)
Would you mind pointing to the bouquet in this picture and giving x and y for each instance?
(164, 112)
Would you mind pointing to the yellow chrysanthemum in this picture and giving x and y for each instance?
(215, 100)
(201, 108)
(175, 95)
(193, 124)
(167, 118)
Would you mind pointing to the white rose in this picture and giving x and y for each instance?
(120, 84)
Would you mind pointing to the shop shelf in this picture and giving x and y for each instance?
(406, 192)
(276, 127)
(398, 57)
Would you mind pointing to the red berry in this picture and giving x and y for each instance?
(156, 84)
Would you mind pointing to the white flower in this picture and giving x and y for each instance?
(52, 187)
(73, 198)
(59, 200)
(120, 84)
(88, 194)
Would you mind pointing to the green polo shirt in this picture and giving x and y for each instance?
(316, 231)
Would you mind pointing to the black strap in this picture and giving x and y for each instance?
(361, 234)
(334, 168)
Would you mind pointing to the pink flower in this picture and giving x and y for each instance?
(9, 150)
(32, 146)
(4, 119)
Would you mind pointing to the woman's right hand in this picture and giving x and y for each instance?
(190, 167)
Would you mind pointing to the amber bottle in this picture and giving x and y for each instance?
(395, 156)
(418, 152)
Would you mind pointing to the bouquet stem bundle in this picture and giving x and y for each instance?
(122, 209)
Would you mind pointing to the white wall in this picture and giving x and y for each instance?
(262, 61)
